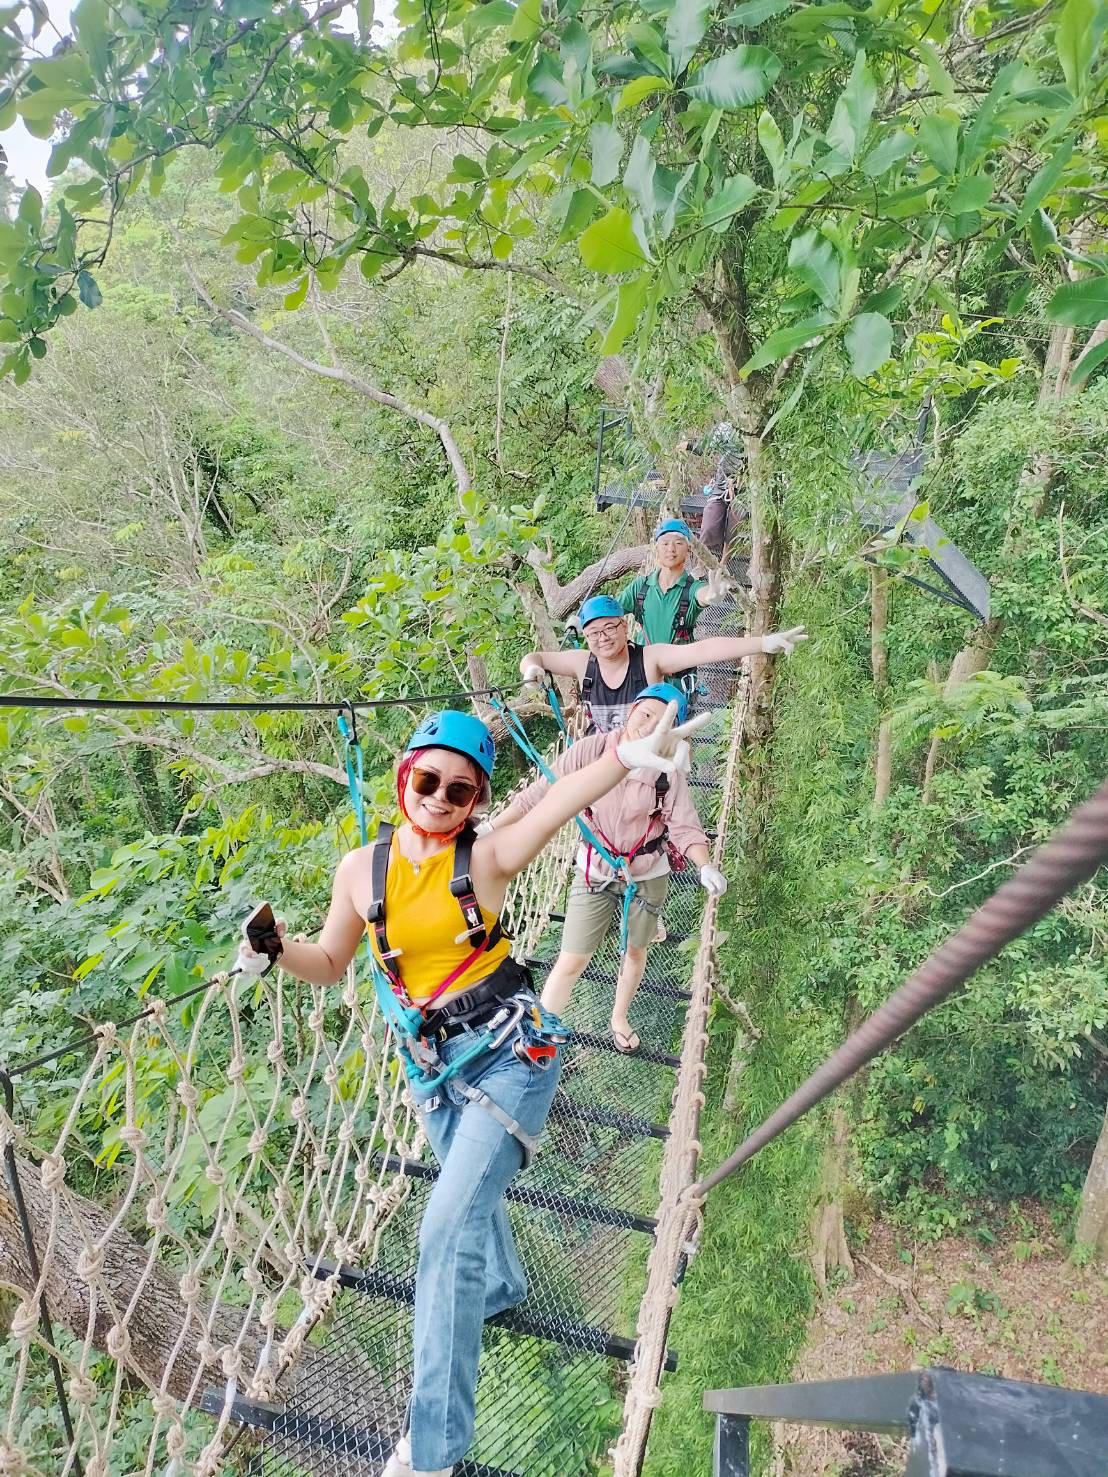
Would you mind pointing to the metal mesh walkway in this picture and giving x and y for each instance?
(554, 1369)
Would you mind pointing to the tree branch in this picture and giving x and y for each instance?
(361, 386)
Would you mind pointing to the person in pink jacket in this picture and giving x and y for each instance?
(637, 822)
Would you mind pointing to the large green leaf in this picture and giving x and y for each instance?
(610, 244)
(1090, 360)
(685, 25)
(637, 89)
(891, 150)
(869, 342)
(1077, 39)
(1044, 181)
(639, 179)
(1080, 302)
(90, 22)
(970, 194)
(629, 304)
(733, 196)
(816, 262)
(606, 146)
(773, 146)
(737, 79)
(754, 12)
(784, 341)
(938, 133)
(853, 111)
(527, 21)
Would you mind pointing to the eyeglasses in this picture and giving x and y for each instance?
(609, 630)
(427, 782)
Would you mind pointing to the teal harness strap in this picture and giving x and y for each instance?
(352, 756)
(514, 725)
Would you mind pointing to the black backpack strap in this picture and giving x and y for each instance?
(682, 626)
(661, 790)
(461, 886)
(378, 881)
(588, 682)
(640, 600)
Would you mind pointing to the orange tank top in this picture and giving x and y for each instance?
(423, 919)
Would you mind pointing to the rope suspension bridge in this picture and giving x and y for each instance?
(220, 1277)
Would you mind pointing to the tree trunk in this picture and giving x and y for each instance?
(879, 666)
(829, 1245)
(973, 658)
(1092, 1223)
(162, 1334)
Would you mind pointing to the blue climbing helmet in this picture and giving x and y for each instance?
(673, 525)
(458, 731)
(666, 692)
(597, 608)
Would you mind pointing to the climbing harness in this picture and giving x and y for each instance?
(618, 701)
(496, 1009)
(619, 864)
(682, 626)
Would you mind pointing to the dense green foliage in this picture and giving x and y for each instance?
(807, 219)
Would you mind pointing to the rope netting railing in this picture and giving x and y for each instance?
(172, 1189)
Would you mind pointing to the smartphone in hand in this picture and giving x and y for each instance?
(261, 932)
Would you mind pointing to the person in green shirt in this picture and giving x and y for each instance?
(667, 602)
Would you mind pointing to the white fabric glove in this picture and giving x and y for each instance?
(251, 961)
(534, 675)
(666, 748)
(713, 881)
(717, 589)
(784, 643)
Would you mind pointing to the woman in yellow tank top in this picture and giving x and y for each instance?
(480, 1121)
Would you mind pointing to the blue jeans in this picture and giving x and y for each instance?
(468, 1268)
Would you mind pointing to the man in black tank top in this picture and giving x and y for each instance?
(613, 671)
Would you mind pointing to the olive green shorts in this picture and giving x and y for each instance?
(591, 911)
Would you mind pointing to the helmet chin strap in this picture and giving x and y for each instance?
(402, 785)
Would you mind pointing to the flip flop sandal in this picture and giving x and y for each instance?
(623, 1042)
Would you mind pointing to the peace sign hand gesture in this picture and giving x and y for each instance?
(719, 586)
(666, 748)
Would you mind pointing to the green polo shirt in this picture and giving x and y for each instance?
(659, 611)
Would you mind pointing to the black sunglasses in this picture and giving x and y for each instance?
(427, 782)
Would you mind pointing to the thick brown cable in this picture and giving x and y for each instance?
(1070, 857)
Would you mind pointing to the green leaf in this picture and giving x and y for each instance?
(527, 21)
(629, 304)
(733, 196)
(465, 168)
(365, 20)
(869, 342)
(610, 244)
(1080, 302)
(90, 23)
(639, 179)
(737, 79)
(488, 17)
(637, 89)
(90, 293)
(294, 298)
(1077, 39)
(938, 134)
(773, 146)
(754, 12)
(816, 262)
(1044, 181)
(784, 341)
(971, 193)
(853, 111)
(685, 25)
(1089, 361)
(606, 147)
(890, 151)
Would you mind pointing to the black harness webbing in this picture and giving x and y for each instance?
(682, 633)
(461, 887)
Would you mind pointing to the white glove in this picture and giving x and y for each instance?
(251, 961)
(666, 748)
(483, 827)
(713, 881)
(783, 643)
(718, 587)
(534, 675)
